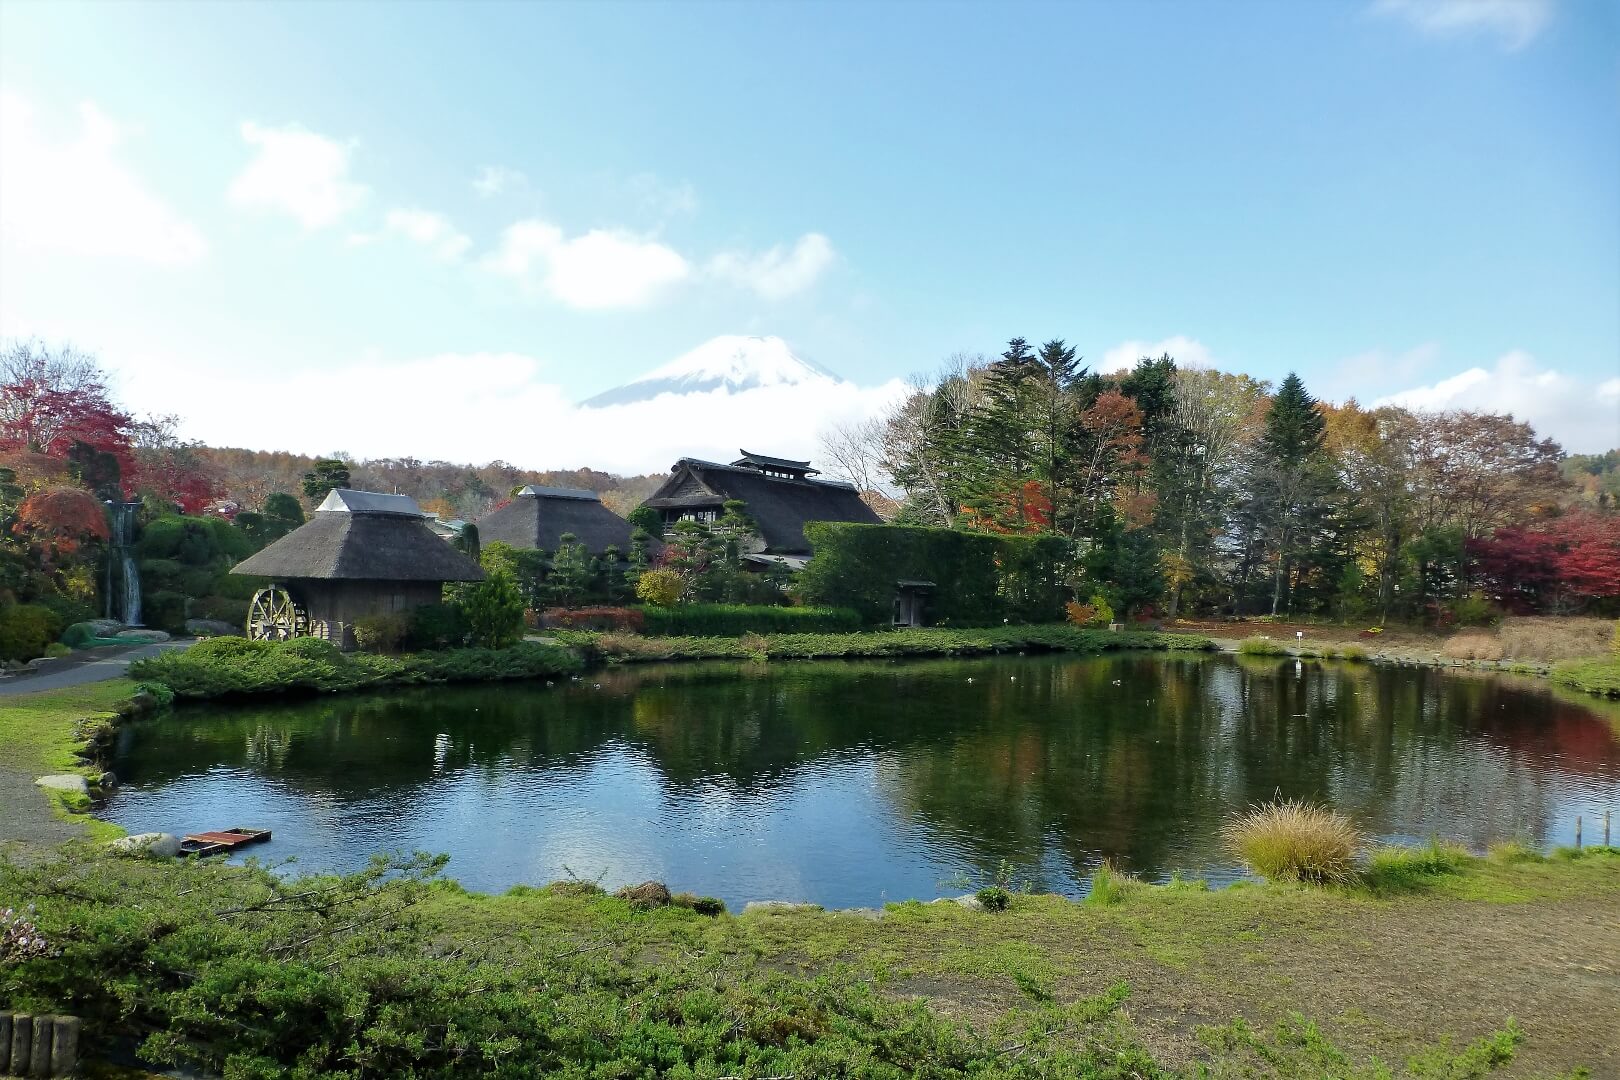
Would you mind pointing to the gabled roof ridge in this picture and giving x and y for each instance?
(840, 484)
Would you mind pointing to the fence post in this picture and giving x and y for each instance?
(5, 1042)
(65, 1047)
(39, 1063)
(1577, 832)
(22, 1041)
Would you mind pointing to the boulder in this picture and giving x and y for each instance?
(141, 636)
(107, 780)
(646, 896)
(212, 628)
(105, 627)
(69, 782)
(967, 900)
(152, 845)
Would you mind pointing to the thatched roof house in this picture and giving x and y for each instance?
(780, 495)
(537, 517)
(360, 553)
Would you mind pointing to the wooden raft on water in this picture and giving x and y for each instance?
(216, 843)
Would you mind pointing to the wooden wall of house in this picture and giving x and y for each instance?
(333, 606)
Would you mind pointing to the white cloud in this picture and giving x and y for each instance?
(1187, 352)
(432, 230)
(779, 272)
(655, 198)
(1515, 22)
(1581, 414)
(76, 195)
(601, 269)
(298, 173)
(477, 407)
(492, 180)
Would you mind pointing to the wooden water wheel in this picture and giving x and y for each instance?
(274, 616)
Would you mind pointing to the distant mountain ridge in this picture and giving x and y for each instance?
(731, 362)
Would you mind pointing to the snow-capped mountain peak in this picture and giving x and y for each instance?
(730, 362)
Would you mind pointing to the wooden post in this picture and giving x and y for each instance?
(22, 1041)
(5, 1043)
(1577, 832)
(44, 1034)
(65, 1047)
(1605, 828)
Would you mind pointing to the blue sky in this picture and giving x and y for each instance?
(470, 215)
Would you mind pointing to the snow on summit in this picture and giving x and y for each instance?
(731, 362)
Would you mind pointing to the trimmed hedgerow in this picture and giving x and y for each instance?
(734, 620)
(977, 579)
(931, 641)
(233, 667)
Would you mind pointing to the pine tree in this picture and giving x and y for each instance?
(998, 452)
(1294, 427)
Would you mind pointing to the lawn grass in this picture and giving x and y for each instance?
(1600, 676)
(42, 734)
(43, 731)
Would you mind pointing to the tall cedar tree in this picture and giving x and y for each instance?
(998, 438)
(1292, 477)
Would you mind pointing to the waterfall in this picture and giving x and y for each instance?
(129, 608)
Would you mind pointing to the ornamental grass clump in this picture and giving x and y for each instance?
(1289, 840)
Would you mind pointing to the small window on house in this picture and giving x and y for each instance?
(396, 602)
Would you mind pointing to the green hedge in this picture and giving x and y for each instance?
(734, 620)
(25, 630)
(231, 666)
(979, 579)
(930, 641)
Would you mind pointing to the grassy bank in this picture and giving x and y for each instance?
(236, 667)
(1600, 676)
(932, 641)
(391, 973)
(46, 733)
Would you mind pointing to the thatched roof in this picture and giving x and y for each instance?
(779, 505)
(538, 517)
(363, 536)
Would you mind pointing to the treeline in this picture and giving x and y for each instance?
(1190, 490)
(247, 477)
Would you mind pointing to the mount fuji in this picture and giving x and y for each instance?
(731, 362)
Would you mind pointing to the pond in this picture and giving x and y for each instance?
(854, 783)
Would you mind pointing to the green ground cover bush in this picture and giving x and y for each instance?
(734, 620)
(230, 667)
(249, 972)
(930, 641)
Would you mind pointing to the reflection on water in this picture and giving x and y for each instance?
(853, 783)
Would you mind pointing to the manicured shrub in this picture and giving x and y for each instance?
(494, 610)
(382, 633)
(1289, 840)
(26, 629)
(56, 650)
(1261, 646)
(1352, 652)
(661, 587)
(733, 620)
(437, 626)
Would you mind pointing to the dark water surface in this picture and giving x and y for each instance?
(852, 783)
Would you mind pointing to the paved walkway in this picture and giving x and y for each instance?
(87, 666)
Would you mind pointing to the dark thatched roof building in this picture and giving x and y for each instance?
(361, 553)
(780, 494)
(537, 518)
